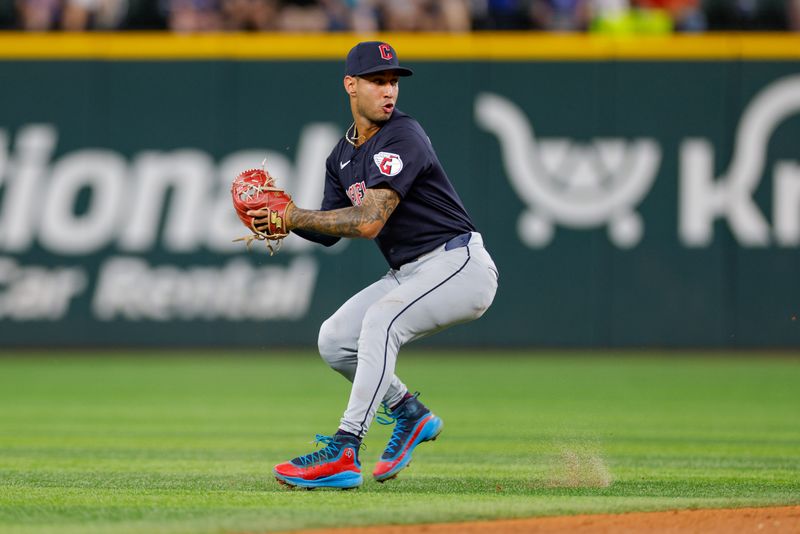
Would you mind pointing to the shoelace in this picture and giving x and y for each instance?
(330, 451)
(399, 432)
(386, 417)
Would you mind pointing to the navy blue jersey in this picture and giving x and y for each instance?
(401, 157)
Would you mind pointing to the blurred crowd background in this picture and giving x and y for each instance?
(604, 16)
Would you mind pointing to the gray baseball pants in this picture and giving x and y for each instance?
(361, 340)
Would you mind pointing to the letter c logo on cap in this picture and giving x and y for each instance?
(386, 51)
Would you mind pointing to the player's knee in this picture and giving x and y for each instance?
(333, 346)
(327, 342)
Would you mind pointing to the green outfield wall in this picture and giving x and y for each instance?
(631, 194)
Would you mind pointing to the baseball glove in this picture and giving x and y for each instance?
(255, 189)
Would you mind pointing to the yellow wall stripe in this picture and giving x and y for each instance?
(510, 46)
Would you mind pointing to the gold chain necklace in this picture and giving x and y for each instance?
(352, 139)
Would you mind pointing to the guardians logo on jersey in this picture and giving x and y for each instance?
(388, 163)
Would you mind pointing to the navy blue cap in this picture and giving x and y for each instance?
(373, 56)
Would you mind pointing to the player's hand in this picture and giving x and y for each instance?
(261, 218)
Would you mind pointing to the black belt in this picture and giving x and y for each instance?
(458, 241)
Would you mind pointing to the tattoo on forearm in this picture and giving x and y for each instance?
(377, 206)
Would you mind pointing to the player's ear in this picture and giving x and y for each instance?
(350, 85)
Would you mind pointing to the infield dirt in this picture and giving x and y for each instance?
(777, 520)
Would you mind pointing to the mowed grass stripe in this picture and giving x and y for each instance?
(130, 442)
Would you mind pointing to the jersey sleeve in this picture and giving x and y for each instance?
(398, 161)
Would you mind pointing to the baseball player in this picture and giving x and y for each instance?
(384, 182)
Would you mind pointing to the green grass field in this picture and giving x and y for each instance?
(129, 442)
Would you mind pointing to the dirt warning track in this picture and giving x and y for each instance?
(775, 520)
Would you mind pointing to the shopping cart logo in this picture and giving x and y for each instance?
(568, 183)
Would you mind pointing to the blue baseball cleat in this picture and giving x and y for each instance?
(334, 466)
(415, 424)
